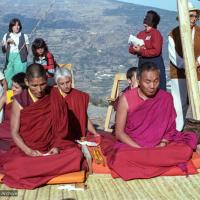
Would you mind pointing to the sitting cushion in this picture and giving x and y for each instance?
(196, 159)
(101, 167)
(99, 163)
(75, 177)
(176, 171)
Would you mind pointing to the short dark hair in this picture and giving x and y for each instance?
(19, 79)
(156, 18)
(12, 23)
(39, 43)
(130, 72)
(35, 71)
(147, 66)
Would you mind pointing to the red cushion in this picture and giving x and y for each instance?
(196, 159)
(176, 171)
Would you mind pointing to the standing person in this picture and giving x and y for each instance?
(177, 68)
(151, 51)
(15, 45)
(41, 55)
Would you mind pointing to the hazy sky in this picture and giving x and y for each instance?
(164, 4)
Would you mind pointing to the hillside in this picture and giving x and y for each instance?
(90, 34)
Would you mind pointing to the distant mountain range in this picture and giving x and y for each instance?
(90, 34)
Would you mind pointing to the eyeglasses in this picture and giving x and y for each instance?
(194, 16)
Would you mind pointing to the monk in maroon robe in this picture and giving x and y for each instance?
(77, 102)
(39, 126)
(148, 143)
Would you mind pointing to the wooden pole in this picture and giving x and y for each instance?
(188, 53)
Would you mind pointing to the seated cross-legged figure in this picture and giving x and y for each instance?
(39, 128)
(77, 103)
(148, 143)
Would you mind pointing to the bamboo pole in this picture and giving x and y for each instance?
(188, 53)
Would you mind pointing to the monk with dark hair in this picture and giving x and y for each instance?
(39, 127)
(148, 143)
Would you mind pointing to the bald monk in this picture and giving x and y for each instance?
(39, 129)
(77, 102)
(147, 143)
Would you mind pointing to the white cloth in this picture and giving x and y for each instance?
(70, 187)
(90, 144)
(135, 41)
(1, 111)
(180, 95)
(173, 56)
(198, 60)
(1, 76)
(179, 86)
(15, 36)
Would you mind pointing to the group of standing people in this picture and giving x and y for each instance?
(152, 51)
(15, 46)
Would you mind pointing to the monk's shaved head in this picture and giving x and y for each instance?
(36, 80)
(35, 71)
(149, 80)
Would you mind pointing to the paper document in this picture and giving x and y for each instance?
(70, 187)
(135, 41)
(90, 144)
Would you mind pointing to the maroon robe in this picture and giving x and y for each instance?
(43, 125)
(5, 136)
(148, 122)
(77, 102)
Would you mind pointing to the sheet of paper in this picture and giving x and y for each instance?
(135, 41)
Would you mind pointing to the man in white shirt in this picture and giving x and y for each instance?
(177, 68)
